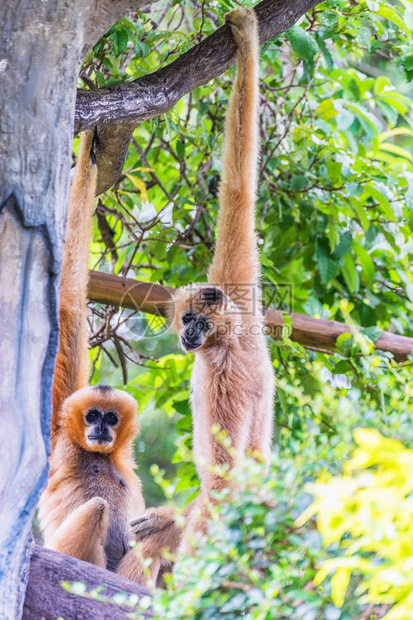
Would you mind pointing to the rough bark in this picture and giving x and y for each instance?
(149, 96)
(308, 331)
(47, 600)
(37, 99)
(41, 47)
(113, 149)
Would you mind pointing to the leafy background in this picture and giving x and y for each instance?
(334, 218)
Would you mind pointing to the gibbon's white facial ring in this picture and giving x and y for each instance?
(195, 329)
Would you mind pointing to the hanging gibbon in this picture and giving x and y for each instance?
(92, 491)
(221, 322)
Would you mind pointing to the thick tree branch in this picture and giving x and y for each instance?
(47, 600)
(308, 331)
(131, 103)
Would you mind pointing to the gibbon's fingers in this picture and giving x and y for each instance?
(152, 521)
(141, 528)
(236, 257)
(72, 362)
(83, 533)
(243, 23)
(165, 567)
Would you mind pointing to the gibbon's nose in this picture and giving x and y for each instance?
(100, 432)
(101, 428)
(195, 330)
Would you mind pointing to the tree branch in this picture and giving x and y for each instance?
(308, 331)
(128, 104)
(47, 600)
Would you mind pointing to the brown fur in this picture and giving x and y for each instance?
(157, 534)
(72, 361)
(232, 384)
(92, 491)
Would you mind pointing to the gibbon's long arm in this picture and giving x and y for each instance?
(236, 256)
(72, 362)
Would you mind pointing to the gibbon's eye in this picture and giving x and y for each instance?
(187, 317)
(111, 418)
(92, 416)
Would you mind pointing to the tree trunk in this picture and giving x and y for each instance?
(40, 50)
(41, 47)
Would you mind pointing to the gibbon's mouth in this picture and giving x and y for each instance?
(100, 438)
(190, 346)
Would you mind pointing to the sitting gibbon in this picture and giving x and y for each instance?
(221, 322)
(92, 491)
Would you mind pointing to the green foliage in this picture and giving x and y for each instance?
(253, 561)
(334, 221)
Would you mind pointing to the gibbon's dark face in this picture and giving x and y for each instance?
(100, 427)
(195, 329)
(197, 314)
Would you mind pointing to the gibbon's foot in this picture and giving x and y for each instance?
(83, 533)
(243, 24)
(151, 522)
(92, 513)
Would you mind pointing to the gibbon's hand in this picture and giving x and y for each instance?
(242, 22)
(151, 522)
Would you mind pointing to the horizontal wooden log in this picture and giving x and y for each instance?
(312, 333)
(47, 600)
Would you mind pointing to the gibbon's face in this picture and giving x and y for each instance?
(101, 427)
(100, 418)
(195, 330)
(200, 316)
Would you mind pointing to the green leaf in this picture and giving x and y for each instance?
(328, 266)
(122, 40)
(342, 367)
(326, 110)
(373, 333)
(368, 121)
(365, 261)
(344, 246)
(350, 274)
(326, 53)
(180, 149)
(298, 182)
(182, 406)
(334, 171)
(393, 16)
(302, 43)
